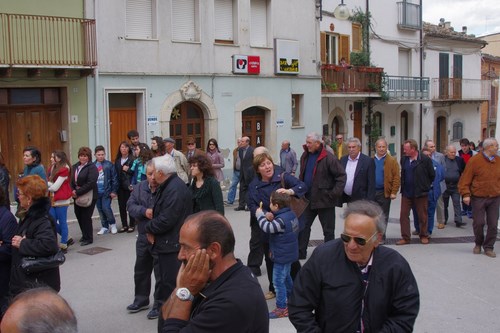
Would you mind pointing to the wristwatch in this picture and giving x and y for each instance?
(184, 294)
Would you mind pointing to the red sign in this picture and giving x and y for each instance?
(243, 64)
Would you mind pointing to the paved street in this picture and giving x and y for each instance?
(459, 291)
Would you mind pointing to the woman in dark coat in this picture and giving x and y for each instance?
(205, 189)
(123, 162)
(83, 180)
(35, 236)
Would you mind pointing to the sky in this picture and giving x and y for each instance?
(482, 17)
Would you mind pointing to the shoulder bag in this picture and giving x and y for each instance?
(31, 265)
(85, 200)
(297, 205)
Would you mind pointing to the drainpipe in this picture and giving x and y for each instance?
(421, 69)
(96, 81)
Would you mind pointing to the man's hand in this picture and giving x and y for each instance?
(149, 213)
(194, 275)
(466, 200)
(151, 238)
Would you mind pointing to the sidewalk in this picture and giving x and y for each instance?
(459, 291)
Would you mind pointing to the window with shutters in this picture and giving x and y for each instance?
(224, 14)
(140, 19)
(344, 50)
(185, 20)
(259, 23)
(357, 44)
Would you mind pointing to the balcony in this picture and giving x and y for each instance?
(354, 80)
(407, 88)
(32, 41)
(460, 90)
(409, 16)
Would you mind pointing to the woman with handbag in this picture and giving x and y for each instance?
(268, 178)
(84, 176)
(58, 176)
(35, 237)
(123, 162)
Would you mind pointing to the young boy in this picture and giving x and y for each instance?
(107, 186)
(283, 227)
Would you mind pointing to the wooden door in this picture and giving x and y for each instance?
(358, 120)
(186, 121)
(253, 126)
(121, 120)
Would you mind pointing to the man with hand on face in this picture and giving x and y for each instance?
(215, 292)
(352, 284)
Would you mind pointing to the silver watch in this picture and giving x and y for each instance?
(184, 294)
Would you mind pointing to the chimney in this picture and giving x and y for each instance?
(464, 30)
(447, 24)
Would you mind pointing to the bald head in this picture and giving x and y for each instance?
(260, 150)
(39, 310)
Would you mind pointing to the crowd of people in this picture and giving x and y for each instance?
(175, 201)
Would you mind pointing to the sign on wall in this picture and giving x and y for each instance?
(245, 64)
(286, 56)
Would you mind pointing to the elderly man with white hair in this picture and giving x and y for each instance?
(171, 205)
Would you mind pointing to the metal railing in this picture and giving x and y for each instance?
(409, 15)
(407, 88)
(452, 89)
(31, 40)
(350, 79)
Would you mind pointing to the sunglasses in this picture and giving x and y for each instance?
(358, 240)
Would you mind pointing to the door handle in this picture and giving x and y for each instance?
(28, 135)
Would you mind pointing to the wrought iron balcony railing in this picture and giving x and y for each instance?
(47, 41)
(338, 79)
(407, 88)
(453, 89)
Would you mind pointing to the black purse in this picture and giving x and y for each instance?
(31, 265)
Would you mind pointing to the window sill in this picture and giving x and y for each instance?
(141, 39)
(298, 126)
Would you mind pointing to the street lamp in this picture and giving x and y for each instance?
(342, 12)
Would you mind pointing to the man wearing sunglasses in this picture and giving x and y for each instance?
(352, 284)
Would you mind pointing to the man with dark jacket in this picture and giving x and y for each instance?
(107, 187)
(247, 173)
(172, 204)
(454, 167)
(417, 175)
(354, 285)
(325, 179)
(360, 171)
(146, 260)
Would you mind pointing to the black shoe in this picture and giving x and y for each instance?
(153, 314)
(302, 256)
(70, 242)
(460, 224)
(122, 230)
(81, 239)
(239, 209)
(133, 308)
(84, 243)
(255, 271)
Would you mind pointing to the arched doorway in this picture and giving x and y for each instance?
(335, 126)
(253, 125)
(441, 134)
(187, 120)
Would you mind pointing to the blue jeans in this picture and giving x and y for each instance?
(283, 283)
(60, 215)
(231, 195)
(105, 211)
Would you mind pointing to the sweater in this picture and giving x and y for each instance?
(481, 177)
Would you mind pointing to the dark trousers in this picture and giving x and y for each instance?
(452, 191)
(146, 262)
(242, 201)
(327, 220)
(168, 266)
(123, 195)
(84, 217)
(485, 211)
(421, 206)
(385, 204)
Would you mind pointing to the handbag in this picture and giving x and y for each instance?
(297, 205)
(85, 200)
(31, 265)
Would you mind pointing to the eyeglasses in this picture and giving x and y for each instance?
(358, 240)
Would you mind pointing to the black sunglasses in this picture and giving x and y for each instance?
(358, 240)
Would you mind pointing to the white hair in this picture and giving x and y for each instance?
(165, 164)
(314, 136)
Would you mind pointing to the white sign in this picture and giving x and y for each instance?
(280, 122)
(152, 120)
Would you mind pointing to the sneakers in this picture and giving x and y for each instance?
(133, 308)
(269, 295)
(278, 313)
(103, 231)
(113, 229)
(153, 314)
